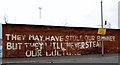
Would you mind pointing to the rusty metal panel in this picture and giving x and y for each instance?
(40, 41)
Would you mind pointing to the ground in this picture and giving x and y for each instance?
(96, 58)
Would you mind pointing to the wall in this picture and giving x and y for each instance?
(40, 41)
(119, 22)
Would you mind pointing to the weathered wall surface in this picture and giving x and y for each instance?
(39, 41)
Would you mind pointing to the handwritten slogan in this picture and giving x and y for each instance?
(54, 45)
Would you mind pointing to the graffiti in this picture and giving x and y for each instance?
(45, 38)
(55, 51)
(53, 45)
(13, 46)
(106, 38)
(15, 37)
